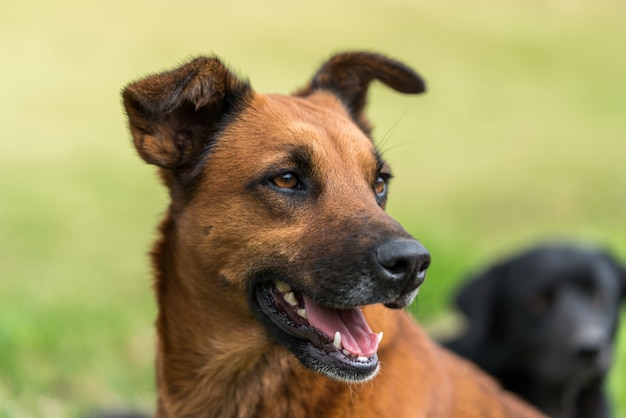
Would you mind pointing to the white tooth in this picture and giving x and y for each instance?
(361, 358)
(337, 340)
(346, 352)
(380, 337)
(301, 312)
(291, 298)
(282, 287)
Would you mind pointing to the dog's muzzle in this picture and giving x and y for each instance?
(326, 330)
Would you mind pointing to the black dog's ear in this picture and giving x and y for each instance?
(619, 268)
(172, 115)
(349, 75)
(622, 272)
(477, 301)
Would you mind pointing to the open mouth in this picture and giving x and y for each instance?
(336, 342)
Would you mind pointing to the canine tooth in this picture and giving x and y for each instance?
(337, 340)
(291, 298)
(380, 337)
(282, 287)
(361, 358)
(346, 352)
(301, 312)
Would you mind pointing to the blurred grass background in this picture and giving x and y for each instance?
(521, 138)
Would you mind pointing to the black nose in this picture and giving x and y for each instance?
(403, 262)
(589, 344)
(588, 352)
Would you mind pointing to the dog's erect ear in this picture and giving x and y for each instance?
(349, 75)
(173, 115)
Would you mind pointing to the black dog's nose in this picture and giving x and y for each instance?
(403, 261)
(589, 348)
(588, 352)
(589, 343)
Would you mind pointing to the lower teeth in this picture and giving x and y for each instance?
(337, 340)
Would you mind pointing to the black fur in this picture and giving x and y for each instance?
(543, 323)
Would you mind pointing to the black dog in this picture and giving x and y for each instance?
(543, 324)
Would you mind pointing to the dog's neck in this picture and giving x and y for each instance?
(568, 400)
(212, 360)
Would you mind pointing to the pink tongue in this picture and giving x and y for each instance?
(356, 335)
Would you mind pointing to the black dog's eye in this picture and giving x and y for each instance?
(380, 186)
(541, 301)
(598, 297)
(288, 180)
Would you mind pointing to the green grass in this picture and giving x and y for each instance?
(520, 139)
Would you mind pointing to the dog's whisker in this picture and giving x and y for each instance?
(380, 144)
(402, 144)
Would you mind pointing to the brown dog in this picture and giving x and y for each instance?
(274, 240)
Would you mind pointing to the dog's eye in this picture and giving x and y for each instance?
(380, 186)
(288, 180)
(541, 301)
(598, 297)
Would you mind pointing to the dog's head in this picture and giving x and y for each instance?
(278, 201)
(550, 312)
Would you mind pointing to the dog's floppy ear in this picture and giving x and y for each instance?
(618, 267)
(172, 115)
(348, 76)
(621, 268)
(621, 273)
(477, 301)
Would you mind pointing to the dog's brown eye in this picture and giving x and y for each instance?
(380, 186)
(287, 181)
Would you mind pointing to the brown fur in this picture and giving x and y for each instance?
(215, 141)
